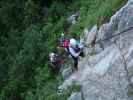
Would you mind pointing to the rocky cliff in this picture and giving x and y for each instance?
(106, 74)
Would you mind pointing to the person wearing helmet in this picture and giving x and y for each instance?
(75, 51)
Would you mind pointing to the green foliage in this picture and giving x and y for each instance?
(130, 91)
(11, 14)
(50, 92)
(57, 10)
(65, 94)
(95, 12)
(31, 12)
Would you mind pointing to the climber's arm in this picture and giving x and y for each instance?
(73, 53)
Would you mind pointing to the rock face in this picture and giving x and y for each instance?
(75, 96)
(66, 72)
(108, 74)
(73, 18)
(89, 37)
(122, 20)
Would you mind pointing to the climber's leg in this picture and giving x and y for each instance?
(75, 63)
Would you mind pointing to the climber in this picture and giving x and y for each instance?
(63, 41)
(63, 45)
(75, 50)
(55, 60)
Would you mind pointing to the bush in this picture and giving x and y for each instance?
(96, 12)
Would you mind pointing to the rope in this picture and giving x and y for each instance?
(108, 38)
(123, 57)
(124, 63)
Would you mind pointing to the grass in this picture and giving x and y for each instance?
(96, 12)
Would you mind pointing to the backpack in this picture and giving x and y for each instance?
(66, 43)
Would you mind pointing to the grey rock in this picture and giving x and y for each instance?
(66, 73)
(90, 36)
(75, 96)
(98, 48)
(85, 33)
(73, 18)
(72, 80)
(89, 50)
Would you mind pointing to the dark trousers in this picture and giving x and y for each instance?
(55, 67)
(76, 60)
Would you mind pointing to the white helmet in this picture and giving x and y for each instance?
(73, 42)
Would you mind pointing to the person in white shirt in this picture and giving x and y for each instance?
(75, 50)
